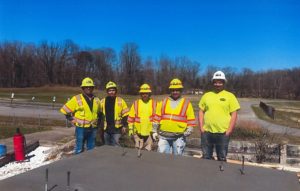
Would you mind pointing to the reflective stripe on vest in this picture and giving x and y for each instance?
(182, 114)
(191, 122)
(79, 101)
(82, 122)
(137, 119)
(66, 109)
(119, 101)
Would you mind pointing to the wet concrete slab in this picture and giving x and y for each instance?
(108, 168)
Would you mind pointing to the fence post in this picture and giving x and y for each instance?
(283, 153)
(39, 120)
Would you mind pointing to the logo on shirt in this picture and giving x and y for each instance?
(222, 99)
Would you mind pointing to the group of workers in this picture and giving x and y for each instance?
(169, 121)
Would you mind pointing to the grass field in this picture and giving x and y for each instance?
(27, 125)
(45, 94)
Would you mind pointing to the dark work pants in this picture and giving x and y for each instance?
(218, 140)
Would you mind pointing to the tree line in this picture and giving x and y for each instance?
(65, 63)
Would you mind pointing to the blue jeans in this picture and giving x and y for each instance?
(112, 139)
(83, 135)
(211, 140)
(171, 145)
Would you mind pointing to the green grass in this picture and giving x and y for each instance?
(45, 95)
(42, 94)
(27, 125)
(8, 131)
(285, 104)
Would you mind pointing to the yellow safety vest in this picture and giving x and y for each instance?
(80, 110)
(140, 120)
(121, 110)
(175, 120)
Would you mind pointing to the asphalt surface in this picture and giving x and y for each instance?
(246, 113)
(106, 168)
(34, 110)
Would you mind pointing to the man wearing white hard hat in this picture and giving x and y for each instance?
(217, 118)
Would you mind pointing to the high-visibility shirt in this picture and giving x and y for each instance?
(177, 119)
(121, 110)
(81, 112)
(141, 116)
(217, 108)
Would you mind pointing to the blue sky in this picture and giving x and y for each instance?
(257, 34)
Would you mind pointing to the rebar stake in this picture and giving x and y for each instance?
(221, 166)
(123, 150)
(139, 153)
(242, 170)
(46, 180)
(68, 180)
(139, 150)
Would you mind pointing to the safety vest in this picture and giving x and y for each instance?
(121, 110)
(81, 111)
(177, 119)
(137, 120)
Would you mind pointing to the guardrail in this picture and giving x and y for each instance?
(269, 110)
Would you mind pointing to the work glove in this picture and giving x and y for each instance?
(123, 130)
(130, 132)
(188, 131)
(154, 136)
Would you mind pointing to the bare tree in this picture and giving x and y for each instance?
(130, 68)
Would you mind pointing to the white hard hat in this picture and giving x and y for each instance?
(219, 75)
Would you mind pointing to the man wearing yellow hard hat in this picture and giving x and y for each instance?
(174, 121)
(140, 118)
(83, 111)
(115, 114)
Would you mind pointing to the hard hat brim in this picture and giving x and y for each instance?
(87, 86)
(145, 91)
(175, 87)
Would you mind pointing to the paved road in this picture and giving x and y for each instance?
(246, 113)
(30, 110)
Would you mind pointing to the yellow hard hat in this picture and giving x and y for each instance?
(145, 88)
(175, 84)
(87, 82)
(111, 84)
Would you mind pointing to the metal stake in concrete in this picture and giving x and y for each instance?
(46, 180)
(68, 180)
(123, 149)
(139, 150)
(242, 170)
(221, 167)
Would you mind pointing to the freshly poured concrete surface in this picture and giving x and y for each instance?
(105, 168)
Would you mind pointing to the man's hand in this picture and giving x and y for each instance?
(154, 136)
(202, 130)
(188, 131)
(228, 132)
(123, 130)
(130, 132)
(73, 122)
